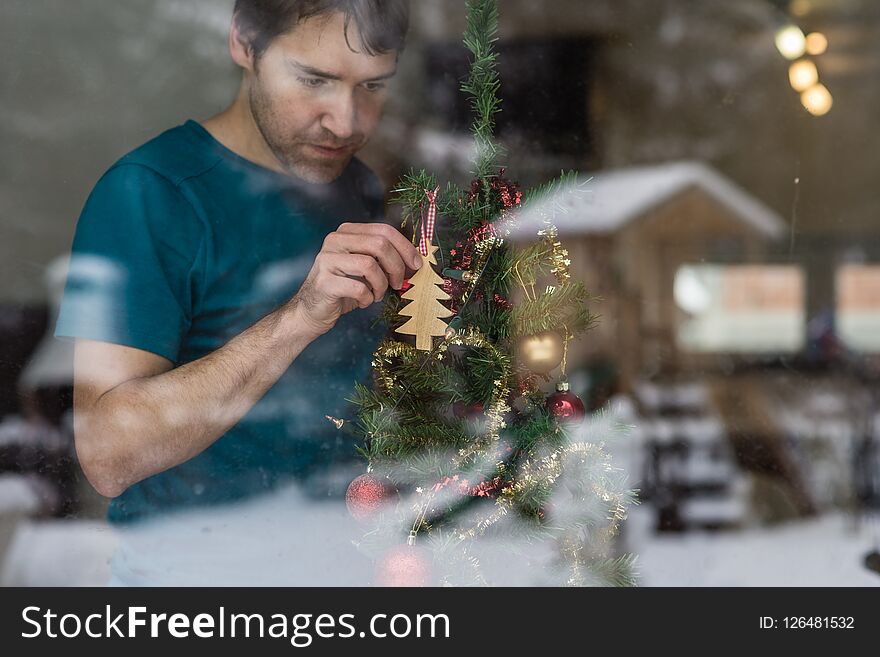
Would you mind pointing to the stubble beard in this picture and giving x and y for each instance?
(289, 152)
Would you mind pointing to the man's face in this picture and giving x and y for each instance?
(315, 101)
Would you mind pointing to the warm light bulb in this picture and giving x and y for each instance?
(791, 42)
(817, 43)
(803, 74)
(817, 100)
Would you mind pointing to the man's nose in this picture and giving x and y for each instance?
(340, 116)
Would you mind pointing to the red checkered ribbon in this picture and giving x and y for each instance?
(428, 222)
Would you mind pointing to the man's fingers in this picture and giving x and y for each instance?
(408, 253)
(359, 266)
(375, 246)
(341, 287)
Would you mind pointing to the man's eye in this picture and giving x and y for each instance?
(374, 86)
(312, 83)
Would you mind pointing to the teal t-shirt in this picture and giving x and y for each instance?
(183, 245)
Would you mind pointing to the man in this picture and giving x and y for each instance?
(219, 308)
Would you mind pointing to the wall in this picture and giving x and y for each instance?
(81, 83)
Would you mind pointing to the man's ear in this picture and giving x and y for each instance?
(240, 48)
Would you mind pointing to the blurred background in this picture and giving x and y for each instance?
(732, 232)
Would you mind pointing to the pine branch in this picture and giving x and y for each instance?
(390, 314)
(483, 83)
(528, 263)
(539, 427)
(415, 438)
(464, 212)
(492, 320)
(618, 572)
(410, 194)
(554, 198)
(483, 370)
(562, 309)
(497, 276)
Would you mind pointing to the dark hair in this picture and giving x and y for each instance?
(382, 24)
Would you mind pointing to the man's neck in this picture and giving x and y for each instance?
(236, 129)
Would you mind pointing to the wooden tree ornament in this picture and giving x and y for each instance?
(425, 310)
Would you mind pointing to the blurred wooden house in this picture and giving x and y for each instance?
(628, 233)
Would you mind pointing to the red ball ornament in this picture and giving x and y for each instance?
(366, 495)
(565, 406)
(405, 565)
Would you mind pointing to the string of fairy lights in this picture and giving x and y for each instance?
(802, 49)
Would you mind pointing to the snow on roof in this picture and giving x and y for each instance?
(607, 201)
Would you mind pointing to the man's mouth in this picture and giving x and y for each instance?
(329, 151)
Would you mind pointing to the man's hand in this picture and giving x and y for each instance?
(354, 268)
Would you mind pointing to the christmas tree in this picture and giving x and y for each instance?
(462, 443)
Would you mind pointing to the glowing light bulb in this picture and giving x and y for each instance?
(803, 74)
(816, 43)
(817, 100)
(791, 42)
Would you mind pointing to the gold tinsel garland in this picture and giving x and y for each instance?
(559, 260)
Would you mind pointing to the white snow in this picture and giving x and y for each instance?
(58, 553)
(607, 201)
(824, 551)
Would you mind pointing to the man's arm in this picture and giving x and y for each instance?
(136, 416)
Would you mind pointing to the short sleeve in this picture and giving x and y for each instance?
(134, 264)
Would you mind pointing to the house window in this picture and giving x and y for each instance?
(740, 308)
(858, 306)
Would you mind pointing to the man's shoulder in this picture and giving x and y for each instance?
(178, 154)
